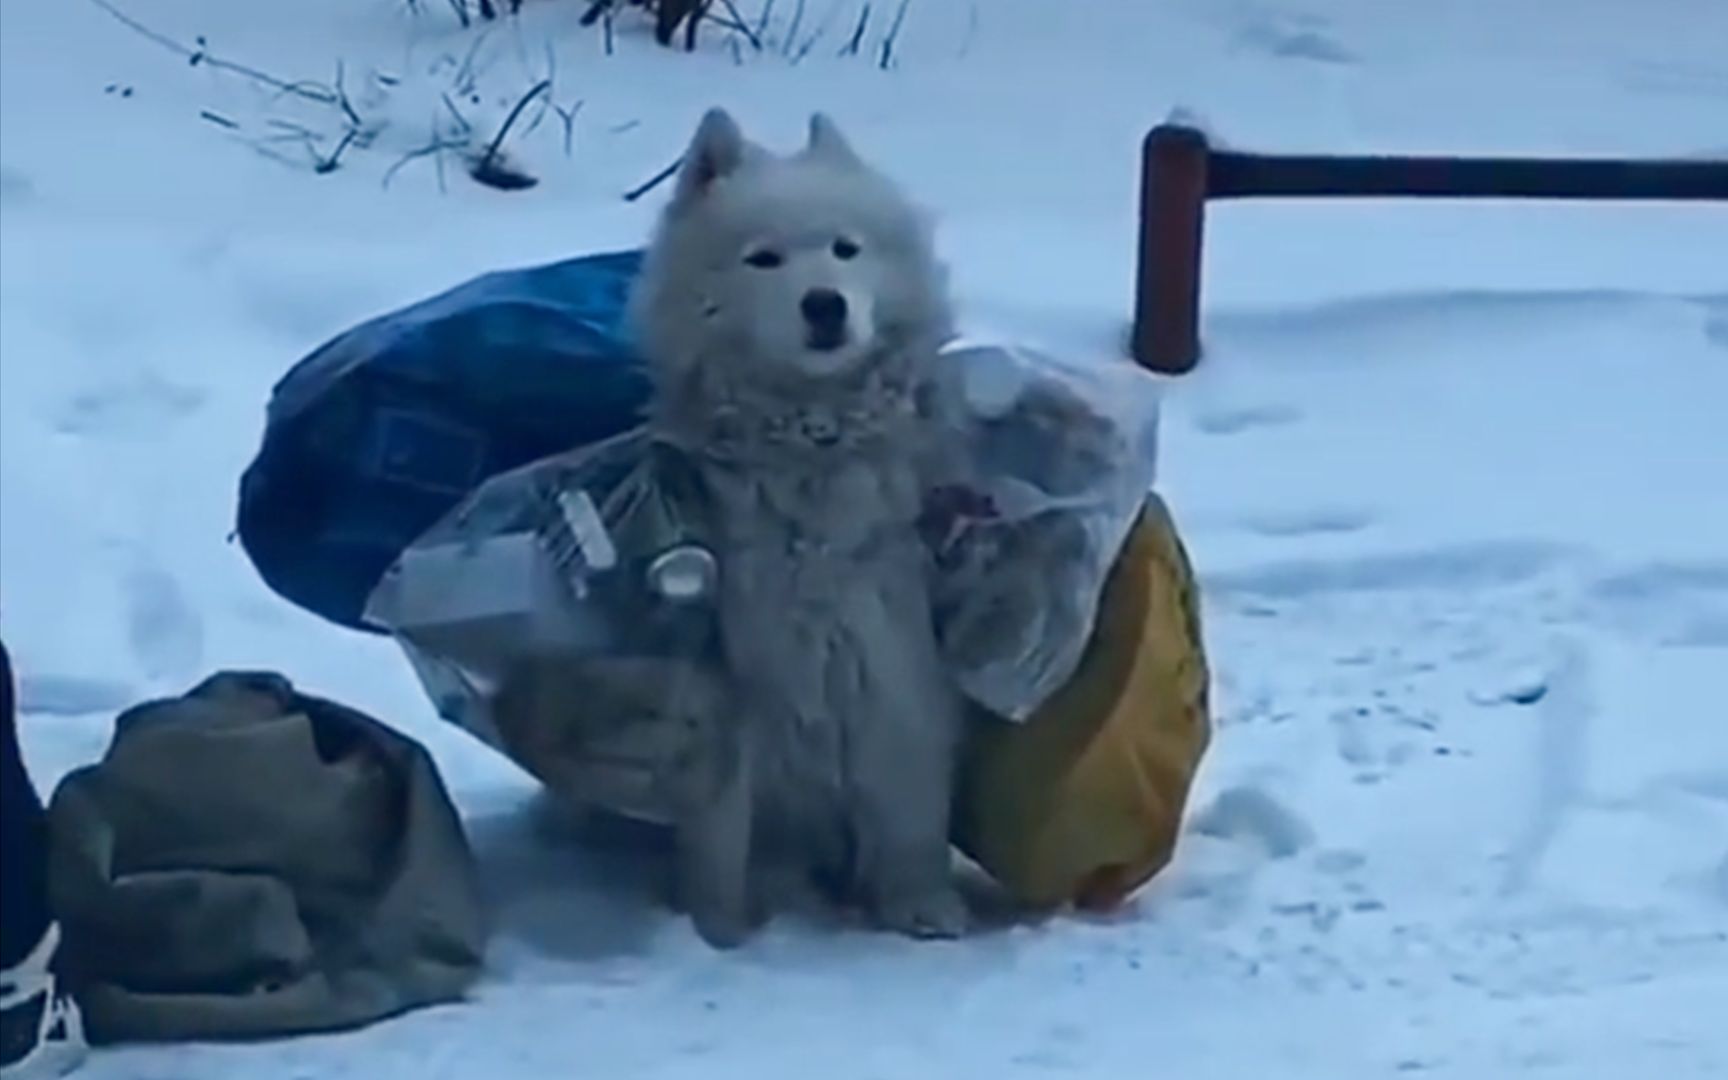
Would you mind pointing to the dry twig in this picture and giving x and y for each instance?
(886, 58)
(324, 95)
(653, 181)
(489, 169)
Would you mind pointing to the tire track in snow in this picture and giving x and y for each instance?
(1564, 718)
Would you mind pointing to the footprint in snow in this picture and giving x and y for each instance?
(1524, 685)
(1564, 718)
(1679, 80)
(140, 407)
(1339, 862)
(1676, 604)
(1247, 814)
(1228, 421)
(1296, 37)
(1353, 745)
(1310, 522)
(15, 187)
(1716, 319)
(1452, 567)
(167, 635)
(71, 695)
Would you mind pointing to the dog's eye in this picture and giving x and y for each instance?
(765, 259)
(845, 249)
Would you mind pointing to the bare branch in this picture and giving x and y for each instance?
(792, 30)
(329, 164)
(544, 106)
(292, 128)
(342, 100)
(698, 11)
(857, 40)
(546, 102)
(436, 146)
(266, 148)
(461, 121)
(504, 129)
(501, 173)
(294, 133)
(653, 181)
(490, 168)
(307, 142)
(568, 118)
(734, 20)
(310, 89)
(971, 30)
(200, 55)
(886, 59)
(465, 73)
(817, 34)
(438, 164)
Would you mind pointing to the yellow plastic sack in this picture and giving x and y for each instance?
(1081, 802)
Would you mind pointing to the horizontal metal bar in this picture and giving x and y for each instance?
(1232, 174)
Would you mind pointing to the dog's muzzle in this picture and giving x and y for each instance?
(824, 312)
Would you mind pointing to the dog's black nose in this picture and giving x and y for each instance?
(825, 311)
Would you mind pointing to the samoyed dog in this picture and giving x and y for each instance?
(791, 309)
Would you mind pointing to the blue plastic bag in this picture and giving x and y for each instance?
(380, 432)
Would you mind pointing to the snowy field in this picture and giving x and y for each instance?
(1456, 478)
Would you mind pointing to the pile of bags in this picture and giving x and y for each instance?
(470, 475)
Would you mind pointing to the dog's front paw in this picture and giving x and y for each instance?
(723, 919)
(938, 913)
(726, 926)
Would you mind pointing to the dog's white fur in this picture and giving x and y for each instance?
(813, 447)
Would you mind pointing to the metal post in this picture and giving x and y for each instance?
(1172, 229)
(1180, 172)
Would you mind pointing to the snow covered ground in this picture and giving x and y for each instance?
(1456, 478)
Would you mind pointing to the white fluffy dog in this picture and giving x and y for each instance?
(791, 310)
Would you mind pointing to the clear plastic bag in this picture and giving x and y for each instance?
(563, 612)
(1059, 457)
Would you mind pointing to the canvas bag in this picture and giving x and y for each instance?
(246, 861)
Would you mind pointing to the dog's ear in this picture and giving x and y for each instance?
(826, 142)
(717, 150)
